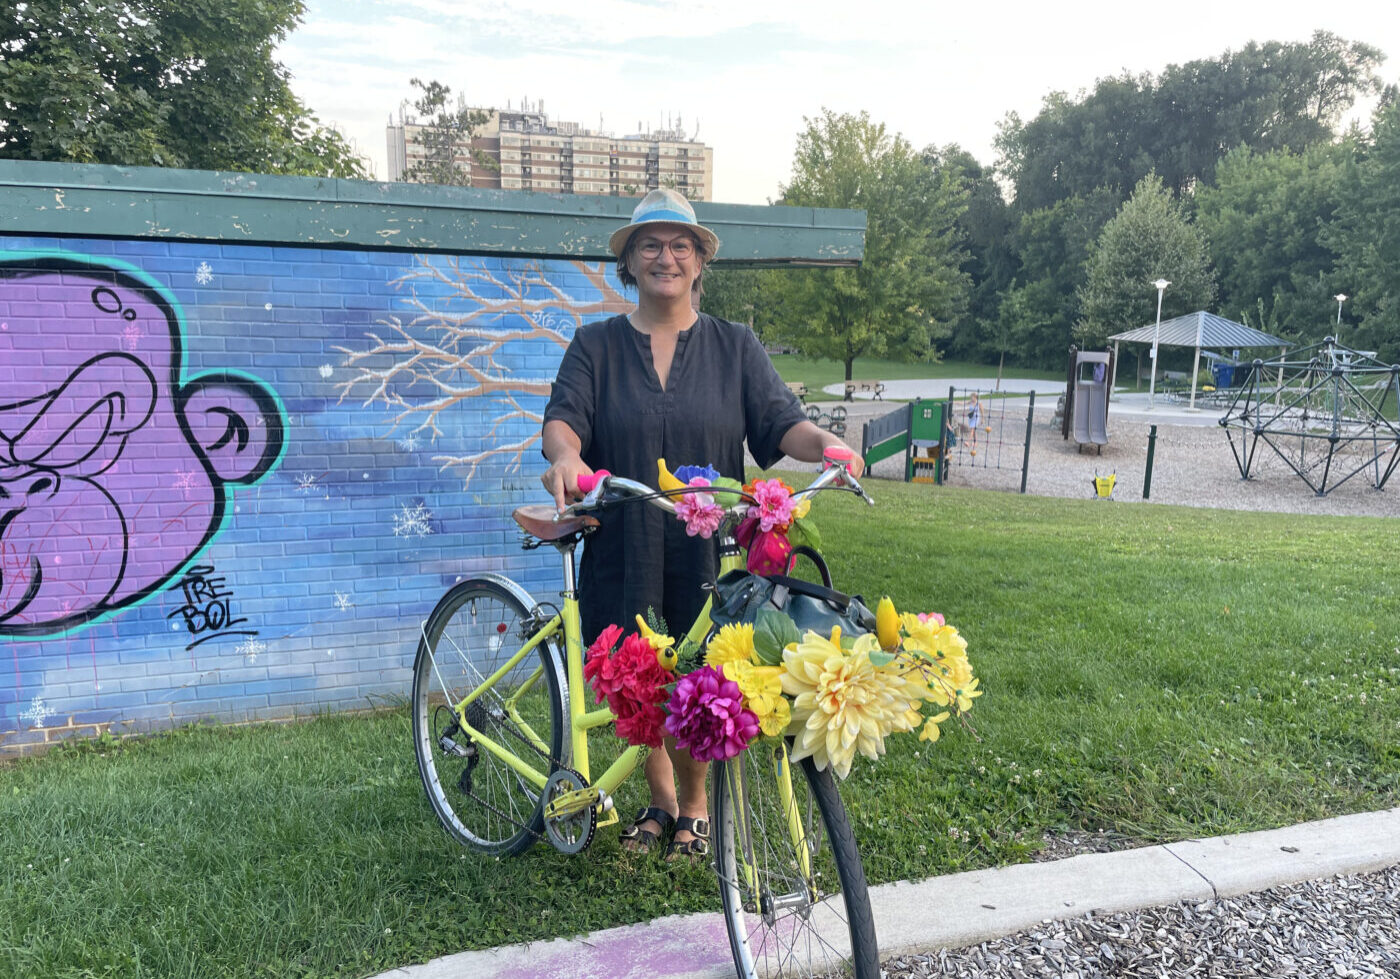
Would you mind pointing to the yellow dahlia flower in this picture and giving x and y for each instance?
(841, 702)
(733, 643)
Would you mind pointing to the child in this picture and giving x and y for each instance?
(974, 420)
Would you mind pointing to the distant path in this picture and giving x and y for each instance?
(908, 390)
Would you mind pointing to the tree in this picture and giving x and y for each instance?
(984, 229)
(446, 137)
(178, 83)
(1367, 239)
(1053, 245)
(1267, 218)
(1148, 239)
(1267, 96)
(909, 287)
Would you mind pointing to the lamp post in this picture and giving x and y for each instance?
(1341, 298)
(1161, 285)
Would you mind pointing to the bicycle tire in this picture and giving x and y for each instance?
(492, 808)
(833, 935)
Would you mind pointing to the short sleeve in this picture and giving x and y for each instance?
(770, 408)
(571, 398)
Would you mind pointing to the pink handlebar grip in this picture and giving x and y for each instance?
(586, 483)
(834, 454)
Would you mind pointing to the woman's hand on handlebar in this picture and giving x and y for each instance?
(561, 480)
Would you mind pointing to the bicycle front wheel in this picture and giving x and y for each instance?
(482, 801)
(790, 877)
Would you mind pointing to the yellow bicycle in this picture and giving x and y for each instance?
(501, 732)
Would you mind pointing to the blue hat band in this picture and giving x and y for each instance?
(677, 217)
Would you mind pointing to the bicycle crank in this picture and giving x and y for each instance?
(570, 813)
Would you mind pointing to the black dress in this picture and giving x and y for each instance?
(722, 390)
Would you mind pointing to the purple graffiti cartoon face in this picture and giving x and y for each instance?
(112, 469)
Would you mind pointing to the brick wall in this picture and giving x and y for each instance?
(234, 479)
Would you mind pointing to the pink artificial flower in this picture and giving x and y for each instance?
(598, 667)
(773, 498)
(644, 725)
(632, 681)
(708, 717)
(932, 617)
(770, 553)
(701, 514)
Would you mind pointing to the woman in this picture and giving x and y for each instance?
(664, 381)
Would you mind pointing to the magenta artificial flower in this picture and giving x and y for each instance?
(702, 515)
(773, 498)
(770, 553)
(708, 717)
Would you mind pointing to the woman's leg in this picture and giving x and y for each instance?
(662, 784)
(690, 775)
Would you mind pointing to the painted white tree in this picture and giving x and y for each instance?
(465, 312)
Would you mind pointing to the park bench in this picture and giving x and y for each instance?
(875, 389)
(799, 389)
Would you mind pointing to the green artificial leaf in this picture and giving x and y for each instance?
(656, 623)
(879, 657)
(728, 486)
(772, 632)
(803, 531)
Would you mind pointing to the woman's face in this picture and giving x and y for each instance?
(665, 261)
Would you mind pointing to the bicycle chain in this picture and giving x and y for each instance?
(503, 722)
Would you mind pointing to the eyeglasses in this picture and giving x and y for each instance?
(680, 247)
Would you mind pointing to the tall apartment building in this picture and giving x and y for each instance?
(533, 153)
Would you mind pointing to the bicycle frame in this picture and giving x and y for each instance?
(581, 720)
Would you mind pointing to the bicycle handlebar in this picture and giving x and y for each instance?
(598, 485)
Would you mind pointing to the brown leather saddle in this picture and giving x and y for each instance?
(537, 520)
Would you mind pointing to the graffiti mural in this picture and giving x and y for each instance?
(234, 479)
(112, 466)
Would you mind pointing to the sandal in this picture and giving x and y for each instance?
(642, 840)
(692, 849)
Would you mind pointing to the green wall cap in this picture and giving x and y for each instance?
(39, 198)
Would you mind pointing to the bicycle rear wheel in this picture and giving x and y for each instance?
(481, 801)
(790, 877)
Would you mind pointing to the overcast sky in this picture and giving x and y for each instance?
(742, 74)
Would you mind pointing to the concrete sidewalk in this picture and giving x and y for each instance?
(964, 909)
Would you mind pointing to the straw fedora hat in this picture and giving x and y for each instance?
(663, 206)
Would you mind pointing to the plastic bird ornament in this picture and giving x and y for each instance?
(665, 646)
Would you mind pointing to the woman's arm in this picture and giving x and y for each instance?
(563, 448)
(805, 442)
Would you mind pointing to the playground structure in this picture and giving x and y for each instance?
(1327, 411)
(1087, 391)
(972, 428)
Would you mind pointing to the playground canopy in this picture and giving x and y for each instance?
(1201, 330)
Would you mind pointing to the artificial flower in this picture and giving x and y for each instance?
(598, 667)
(688, 474)
(773, 501)
(733, 643)
(708, 717)
(842, 704)
(770, 553)
(762, 687)
(701, 514)
(931, 730)
(887, 624)
(633, 682)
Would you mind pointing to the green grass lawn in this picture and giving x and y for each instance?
(1156, 672)
(817, 374)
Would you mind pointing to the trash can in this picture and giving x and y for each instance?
(1224, 375)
